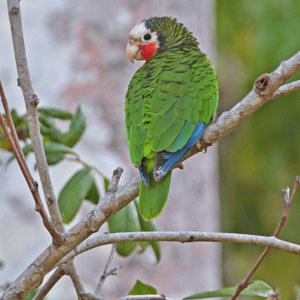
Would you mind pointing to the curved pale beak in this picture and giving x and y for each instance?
(133, 51)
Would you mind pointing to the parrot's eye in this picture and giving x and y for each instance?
(147, 36)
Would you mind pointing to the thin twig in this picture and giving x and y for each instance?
(86, 165)
(106, 273)
(287, 88)
(31, 102)
(57, 238)
(72, 272)
(287, 204)
(182, 237)
(55, 277)
(14, 133)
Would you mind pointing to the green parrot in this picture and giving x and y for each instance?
(169, 102)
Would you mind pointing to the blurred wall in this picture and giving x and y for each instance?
(76, 54)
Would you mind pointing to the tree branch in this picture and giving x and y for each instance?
(55, 277)
(14, 133)
(31, 101)
(107, 272)
(287, 204)
(287, 88)
(31, 184)
(182, 237)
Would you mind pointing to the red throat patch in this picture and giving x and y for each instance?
(148, 50)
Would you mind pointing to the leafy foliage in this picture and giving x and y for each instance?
(56, 113)
(257, 289)
(77, 128)
(141, 288)
(125, 220)
(81, 186)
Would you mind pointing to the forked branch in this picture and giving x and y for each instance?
(15, 146)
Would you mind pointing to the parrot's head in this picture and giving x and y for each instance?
(156, 35)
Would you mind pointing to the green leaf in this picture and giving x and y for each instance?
(1, 264)
(74, 192)
(93, 194)
(257, 289)
(57, 148)
(77, 128)
(54, 152)
(57, 113)
(148, 226)
(51, 133)
(53, 159)
(141, 288)
(27, 149)
(125, 220)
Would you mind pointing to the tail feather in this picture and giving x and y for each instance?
(154, 198)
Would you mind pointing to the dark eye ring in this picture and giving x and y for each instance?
(147, 36)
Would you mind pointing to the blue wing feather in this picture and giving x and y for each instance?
(174, 157)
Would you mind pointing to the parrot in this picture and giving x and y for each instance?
(170, 101)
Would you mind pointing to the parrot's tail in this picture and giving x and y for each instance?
(154, 198)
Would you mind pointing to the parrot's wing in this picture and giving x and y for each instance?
(136, 133)
(183, 103)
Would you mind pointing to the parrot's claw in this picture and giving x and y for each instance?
(181, 166)
(198, 145)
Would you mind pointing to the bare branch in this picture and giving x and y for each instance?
(58, 274)
(114, 181)
(106, 273)
(57, 238)
(31, 101)
(287, 204)
(13, 131)
(287, 88)
(71, 271)
(183, 237)
(145, 297)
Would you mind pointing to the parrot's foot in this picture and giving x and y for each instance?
(181, 166)
(198, 145)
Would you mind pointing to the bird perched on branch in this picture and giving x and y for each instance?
(169, 102)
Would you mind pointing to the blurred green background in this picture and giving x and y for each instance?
(262, 155)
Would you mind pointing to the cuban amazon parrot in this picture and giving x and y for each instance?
(169, 102)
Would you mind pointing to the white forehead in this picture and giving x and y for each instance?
(138, 31)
